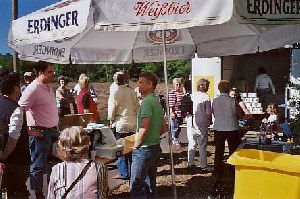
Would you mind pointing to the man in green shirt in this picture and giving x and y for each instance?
(147, 151)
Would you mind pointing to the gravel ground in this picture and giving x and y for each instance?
(190, 183)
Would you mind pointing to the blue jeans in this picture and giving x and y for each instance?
(39, 148)
(175, 129)
(144, 170)
(124, 162)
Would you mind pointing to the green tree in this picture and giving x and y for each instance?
(180, 68)
(6, 61)
(105, 72)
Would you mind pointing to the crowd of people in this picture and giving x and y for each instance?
(29, 124)
(30, 115)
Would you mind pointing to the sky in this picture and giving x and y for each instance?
(25, 7)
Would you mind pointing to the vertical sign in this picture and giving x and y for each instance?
(207, 68)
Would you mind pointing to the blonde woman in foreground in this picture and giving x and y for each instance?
(77, 176)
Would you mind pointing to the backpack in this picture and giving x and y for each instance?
(162, 101)
(186, 104)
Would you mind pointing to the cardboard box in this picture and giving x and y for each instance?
(74, 120)
(107, 151)
(244, 95)
(252, 95)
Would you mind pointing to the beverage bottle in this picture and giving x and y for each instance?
(286, 148)
(275, 130)
(3, 193)
(268, 140)
(261, 136)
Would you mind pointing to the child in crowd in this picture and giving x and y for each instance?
(272, 111)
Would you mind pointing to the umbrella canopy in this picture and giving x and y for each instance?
(69, 30)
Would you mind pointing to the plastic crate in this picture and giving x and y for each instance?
(265, 175)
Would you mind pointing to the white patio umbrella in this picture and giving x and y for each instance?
(70, 30)
(39, 35)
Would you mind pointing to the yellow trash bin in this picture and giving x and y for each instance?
(265, 175)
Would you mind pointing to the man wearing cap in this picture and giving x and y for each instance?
(38, 100)
(28, 78)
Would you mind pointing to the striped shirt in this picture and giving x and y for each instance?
(175, 98)
(64, 174)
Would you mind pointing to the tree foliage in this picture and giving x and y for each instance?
(104, 72)
(6, 62)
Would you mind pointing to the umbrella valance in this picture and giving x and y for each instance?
(68, 18)
(149, 15)
(58, 21)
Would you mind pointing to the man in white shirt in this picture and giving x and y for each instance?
(114, 86)
(14, 138)
(122, 111)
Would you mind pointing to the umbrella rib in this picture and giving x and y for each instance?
(133, 47)
(83, 34)
(195, 44)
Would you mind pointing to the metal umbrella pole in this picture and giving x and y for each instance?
(168, 109)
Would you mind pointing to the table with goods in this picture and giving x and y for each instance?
(104, 146)
(267, 165)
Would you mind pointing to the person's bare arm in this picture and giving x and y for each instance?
(86, 110)
(164, 128)
(10, 146)
(2, 168)
(60, 96)
(143, 132)
(244, 108)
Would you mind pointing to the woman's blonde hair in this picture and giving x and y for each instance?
(84, 82)
(73, 143)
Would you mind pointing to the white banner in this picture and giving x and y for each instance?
(210, 69)
(268, 11)
(137, 15)
(61, 20)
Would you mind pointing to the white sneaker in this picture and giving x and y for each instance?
(176, 142)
